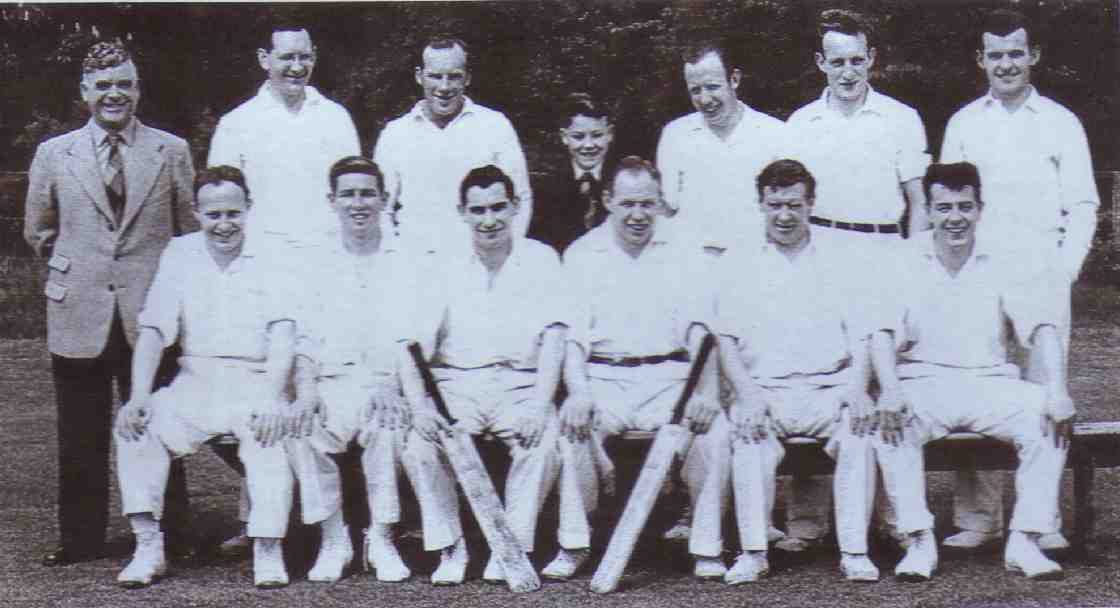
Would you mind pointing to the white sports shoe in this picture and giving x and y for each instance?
(709, 568)
(566, 563)
(268, 565)
(1024, 556)
(1053, 542)
(920, 561)
(749, 567)
(971, 539)
(382, 556)
(858, 567)
(335, 554)
(149, 563)
(452, 564)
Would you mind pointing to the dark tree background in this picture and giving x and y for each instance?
(198, 61)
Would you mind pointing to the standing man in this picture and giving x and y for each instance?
(285, 139)
(571, 201)
(102, 202)
(641, 304)
(1039, 192)
(798, 285)
(426, 153)
(867, 151)
(497, 349)
(708, 159)
(943, 366)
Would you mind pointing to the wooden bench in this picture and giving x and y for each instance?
(1095, 444)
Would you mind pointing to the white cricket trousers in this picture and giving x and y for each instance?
(343, 398)
(1005, 408)
(209, 397)
(488, 400)
(805, 411)
(642, 399)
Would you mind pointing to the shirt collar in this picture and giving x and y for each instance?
(1032, 103)
(603, 238)
(128, 133)
(748, 113)
(311, 97)
(417, 111)
(872, 103)
(596, 171)
(982, 250)
(768, 248)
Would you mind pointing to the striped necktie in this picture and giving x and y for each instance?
(115, 177)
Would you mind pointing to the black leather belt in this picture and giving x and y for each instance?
(856, 226)
(677, 355)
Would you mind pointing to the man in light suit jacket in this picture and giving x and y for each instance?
(102, 203)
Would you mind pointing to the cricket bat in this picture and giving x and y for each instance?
(669, 439)
(483, 498)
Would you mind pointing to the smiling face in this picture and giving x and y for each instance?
(711, 90)
(289, 63)
(634, 205)
(954, 214)
(786, 210)
(358, 202)
(221, 213)
(845, 61)
(444, 78)
(489, 212)
(112, 95)
(587, 140)
(1007, 62)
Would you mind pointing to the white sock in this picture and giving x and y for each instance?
(143, 524)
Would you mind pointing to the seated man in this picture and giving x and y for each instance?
(640, 307)
(357, 309)
(795, 351)
(225, 307)
(497, 356)
(951, 372)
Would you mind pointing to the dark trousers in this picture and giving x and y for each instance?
(84, 393)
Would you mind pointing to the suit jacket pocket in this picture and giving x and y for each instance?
(55, 291)
(59, 262)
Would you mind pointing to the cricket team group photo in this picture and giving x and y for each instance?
(434, 354)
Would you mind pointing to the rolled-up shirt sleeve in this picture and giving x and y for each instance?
(913, 152)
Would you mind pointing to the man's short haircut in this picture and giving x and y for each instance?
(1002, 22)
(282, 23)
(784, 174)
(104, 55)
(695, 51)
(954, 176)
(484, 177)
(445, 41)
(356, 164)
(841, 21)
(635, 166)
(216, 175)
(581, 104)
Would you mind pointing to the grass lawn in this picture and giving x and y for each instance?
(659, 575)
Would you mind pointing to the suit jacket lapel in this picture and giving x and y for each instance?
(140, 170)
(85, 168)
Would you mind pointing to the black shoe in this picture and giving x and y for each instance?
(63, 557)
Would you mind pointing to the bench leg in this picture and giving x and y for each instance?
(1084, 470)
